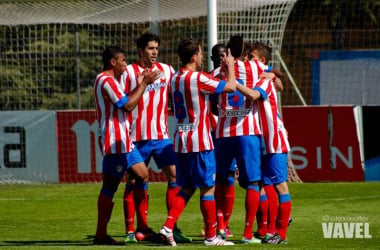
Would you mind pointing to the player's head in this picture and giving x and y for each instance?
(190, 49)
(147, 47)
(236, 46)
(217, 53)
(114, 58)
(247, 50)
(260, 52)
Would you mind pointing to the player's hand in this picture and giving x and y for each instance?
(267, 75)
(277, 72)
(228, 59)
(147, 77)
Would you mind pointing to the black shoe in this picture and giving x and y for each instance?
(107, 240)
(275, 239)
(290, 221)
(147, 235)
(258, 236)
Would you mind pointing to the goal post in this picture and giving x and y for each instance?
(50, 49)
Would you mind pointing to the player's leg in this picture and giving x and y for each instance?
(166, 160)
(204, 168)
(224, 157)
(262, 215)
(105, 207)
(207, 204)
(278, 166)
(249, 161)
(129, 209)
(229, 191)
(272, 208)
(112, 174)
(271, 195)
(141, 197)
(180, 201)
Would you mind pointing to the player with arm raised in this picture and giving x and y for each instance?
(225, 187)
(192, 139)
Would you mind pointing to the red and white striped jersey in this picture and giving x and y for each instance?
(191, 109)
(274, 134)
(238, 115)
(113, 121)
(149, 118)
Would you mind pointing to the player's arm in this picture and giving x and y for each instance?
(250, 94)
(228, 65)
(273, 76)
(143, 80)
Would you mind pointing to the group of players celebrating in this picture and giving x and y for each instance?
(227, 119)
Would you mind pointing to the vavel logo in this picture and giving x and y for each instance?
(345, 228)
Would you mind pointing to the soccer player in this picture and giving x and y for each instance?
(192, 139)
(151, 137)
(224, 187)
(238, 132)
(274, 160)
(113, 107)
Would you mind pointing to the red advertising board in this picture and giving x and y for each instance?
(79, 157)
(324, 142)
(78, 154)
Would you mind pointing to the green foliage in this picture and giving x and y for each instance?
(40, 71)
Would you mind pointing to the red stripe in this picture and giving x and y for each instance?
(149, 114)
(248, 103)
(180, 145)
(283, 144)
(202, 117)
(264, 123)
(117, 131)
(189, 107)
(250, 79)
(107, 108)
(162, 103)
(139, 107)
(275, 123)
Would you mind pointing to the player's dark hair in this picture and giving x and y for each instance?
(264, 50)
(144, 39)
(236, 45)
(186, 49)
(247, 49)
(111, 52)
(216, 48)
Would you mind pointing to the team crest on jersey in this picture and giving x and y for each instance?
(119, 168)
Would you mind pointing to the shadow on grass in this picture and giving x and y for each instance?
(87, 241)
(46, 243)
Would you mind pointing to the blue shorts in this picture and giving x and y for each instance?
(246, 151)
(196, 170)
(161, 150)
(118, 164)
(275, 168)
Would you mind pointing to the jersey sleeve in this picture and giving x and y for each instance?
(265, 87)
(115, 93)
(211, 85)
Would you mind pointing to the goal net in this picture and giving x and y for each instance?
(50, 50)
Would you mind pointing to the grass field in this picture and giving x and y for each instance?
(50, 216)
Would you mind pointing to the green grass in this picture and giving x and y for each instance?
(55, 216)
